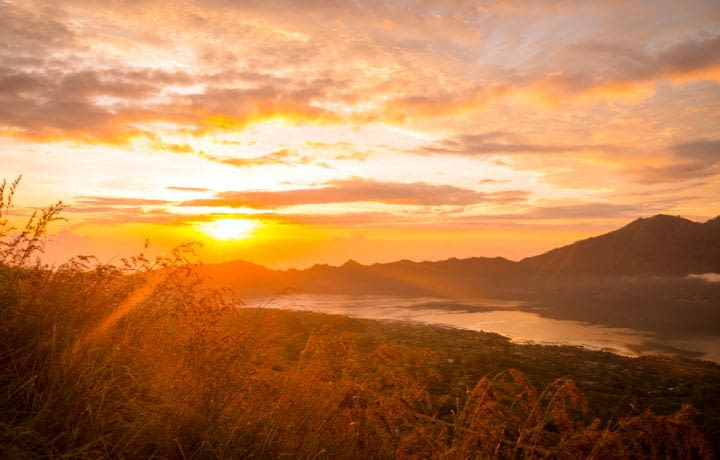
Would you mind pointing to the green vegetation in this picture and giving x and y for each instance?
(142, 360)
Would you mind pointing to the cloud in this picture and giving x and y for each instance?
(125, 212)
(682, 59)
(111, 105)
(56, 82)
(629, 73)
(709, 277)
(683, 161)
(361, 219)
(229, 65)
(493, 143)
(171, 147)
(188, 189)
(493, 181)
(708, 150)
(140, 216)
(56, 104)
(422, 106)
(674, 172)
(360, 190)
(30, 36)
(451, 79)
(584, 211)
(279, 157)
(688, 160)
(286, 157)
(117, 201)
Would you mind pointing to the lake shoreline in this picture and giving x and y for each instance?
(613, 384)
(520, 320)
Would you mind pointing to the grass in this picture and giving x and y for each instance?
(140, 360)
(613, 386)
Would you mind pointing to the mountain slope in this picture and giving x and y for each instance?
(659, 245)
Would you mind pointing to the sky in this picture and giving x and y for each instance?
(291, 133)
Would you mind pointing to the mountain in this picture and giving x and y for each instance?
(660, 245)
(444, 278)
(657, 246)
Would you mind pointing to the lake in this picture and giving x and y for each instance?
(509, 318)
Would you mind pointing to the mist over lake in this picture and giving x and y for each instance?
(330, 230)
(521, 321)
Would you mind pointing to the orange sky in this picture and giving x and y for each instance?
(291, 133)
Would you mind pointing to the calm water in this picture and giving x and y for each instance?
(503, 317)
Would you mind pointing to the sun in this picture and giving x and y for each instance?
(229, 229)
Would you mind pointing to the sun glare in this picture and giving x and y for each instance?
(229, 229)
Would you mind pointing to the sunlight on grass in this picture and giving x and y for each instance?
(144, 358)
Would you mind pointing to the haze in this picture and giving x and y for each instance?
(292, 133)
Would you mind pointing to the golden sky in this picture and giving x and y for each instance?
(289, 133)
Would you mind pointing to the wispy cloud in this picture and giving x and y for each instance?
(118, 201)
(188, 189)
(109, 102)
(453, 113)
(688, 160)
(360, 190)
(279, 157)
(499, 143)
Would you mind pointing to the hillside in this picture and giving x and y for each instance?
(660, 245)
(450, 277)
(133, 361)
(657, 246)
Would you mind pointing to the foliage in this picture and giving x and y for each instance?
(140, 359)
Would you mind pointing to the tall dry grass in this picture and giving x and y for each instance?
(139, 359)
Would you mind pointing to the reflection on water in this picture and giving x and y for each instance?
(503, 317)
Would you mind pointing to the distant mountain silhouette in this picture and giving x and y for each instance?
(657, 246)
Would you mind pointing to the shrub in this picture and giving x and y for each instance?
(140, 359)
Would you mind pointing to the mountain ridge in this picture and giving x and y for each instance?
(661, 245)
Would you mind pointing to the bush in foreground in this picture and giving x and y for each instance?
(140, 359)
